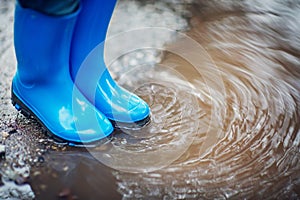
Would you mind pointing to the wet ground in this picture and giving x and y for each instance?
(222, 79)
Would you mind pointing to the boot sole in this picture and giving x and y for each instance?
(20, 106)
(134, 125)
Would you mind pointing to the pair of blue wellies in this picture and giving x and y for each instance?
(62, 79)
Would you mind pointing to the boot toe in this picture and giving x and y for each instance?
(139, 112)
(129, 113)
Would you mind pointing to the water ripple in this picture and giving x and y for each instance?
(252, 126)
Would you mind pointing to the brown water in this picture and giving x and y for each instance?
(249, 102)
(225, 114)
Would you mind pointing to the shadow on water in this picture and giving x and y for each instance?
(225, 123)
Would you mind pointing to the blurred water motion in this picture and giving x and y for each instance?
(232, 100)
(251, 112)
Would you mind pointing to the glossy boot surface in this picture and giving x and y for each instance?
(42, 86)
(91, 74)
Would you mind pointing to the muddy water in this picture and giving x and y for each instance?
(225, 112)
(249, 102)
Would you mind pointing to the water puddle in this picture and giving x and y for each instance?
(224, 101)
(252, 113)
(175, 116)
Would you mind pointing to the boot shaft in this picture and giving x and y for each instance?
(90, 30)
(42, 44)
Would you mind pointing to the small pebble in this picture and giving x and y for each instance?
(66, 168)
(2, 151)
(4, 134)
(43, 187)
(36, 173)
(41, 140)
(21, 180)
(12, 131)
(53, 147)
(41, 159)
(66, 192)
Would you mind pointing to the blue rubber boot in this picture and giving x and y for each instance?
(42, 87)
(89, 71)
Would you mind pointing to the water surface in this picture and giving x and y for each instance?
(224, 113)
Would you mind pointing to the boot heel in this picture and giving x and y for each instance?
(16, 102)
(20, 106)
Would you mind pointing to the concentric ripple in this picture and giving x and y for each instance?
(175, 117)
(251, 150)
(252, 143)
